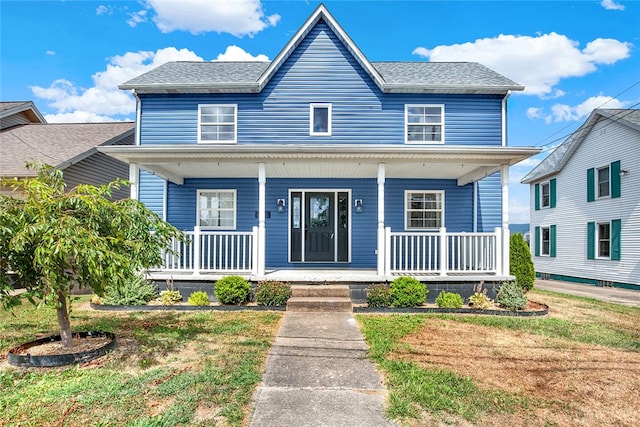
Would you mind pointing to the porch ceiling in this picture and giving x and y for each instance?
(177, 162)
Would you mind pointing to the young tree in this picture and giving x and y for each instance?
(52, 240)
(521, 264)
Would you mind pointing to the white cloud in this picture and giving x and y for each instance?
(136, 18)
(538, 62)
(519, 205)
(237, 17)
(104, 10)
(51, 52)
(568, 113)
(535, 112)
(235, 53)
(104, 101)
(611, 5)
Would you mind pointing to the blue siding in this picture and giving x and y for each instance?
(151, 192)
(489, 203)
(458, 202)
(321, 70)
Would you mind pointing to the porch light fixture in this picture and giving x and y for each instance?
(280, 205)
(358, 205)
(624, 172)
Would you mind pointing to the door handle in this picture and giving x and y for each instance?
(332, 236)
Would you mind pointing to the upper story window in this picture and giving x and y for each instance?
(545, 195)
(320, 119)
(217, 123)
(424, 210)
(217, 209)
(424, 124)
(603, 181)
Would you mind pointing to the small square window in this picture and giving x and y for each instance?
(424, 124)
(217, 123)
(217, 209)
(320, 120)
(604, 179)
(424, 210)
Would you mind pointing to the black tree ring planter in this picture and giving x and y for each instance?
(17, 356)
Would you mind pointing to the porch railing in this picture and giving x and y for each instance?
(212, 251)
(441, 252)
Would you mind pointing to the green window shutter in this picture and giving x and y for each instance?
(591, 240)
(537, 196)
(552, 241)
(591, 185)
(615, 180)
(616, 230)
(537, 241)
(552, 193)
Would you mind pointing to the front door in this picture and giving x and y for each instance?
(319, 226)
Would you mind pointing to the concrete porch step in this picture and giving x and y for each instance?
(337, 291)
(320, 304)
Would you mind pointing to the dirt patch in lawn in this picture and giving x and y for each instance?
(571, 384)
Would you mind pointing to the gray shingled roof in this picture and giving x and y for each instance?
(54, 144)
(219, 74)
(554, 162)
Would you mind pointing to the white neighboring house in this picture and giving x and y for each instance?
(585, 203)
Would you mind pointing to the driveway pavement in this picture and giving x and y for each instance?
(609, 294)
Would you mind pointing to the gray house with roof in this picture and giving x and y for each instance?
(585, 203)
(322, 163)
(25, 136)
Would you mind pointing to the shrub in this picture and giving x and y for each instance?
(379, 295)
(232, 290)
(449, 300)
(521, 264)
(136, 291)
(273, 293)
(170, 297)
(198, 298)
(511, 296)
(480, 301)
(407, 292)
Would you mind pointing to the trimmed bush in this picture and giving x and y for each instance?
(511, 296)
(480, 301)
(272, 293)
(198, 298)
(521, 264)
(407, 292)
(379, 295)
(449, 300)
(170, 297)
(232, 290)
(137, 291)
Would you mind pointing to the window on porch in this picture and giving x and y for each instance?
(424, 210)
(217, 209)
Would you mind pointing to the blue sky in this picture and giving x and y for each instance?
(69, 56)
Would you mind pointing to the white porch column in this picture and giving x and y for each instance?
(504, 182)
(134, 174)
(381, 237)
(262, 206)
(197, 236)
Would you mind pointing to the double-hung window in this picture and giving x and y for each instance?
(320, 119)
(424, 210)
(545, 241)
(217, 123)
(545, 195)
(604, 239)
(603, 182)
(217, 209)
(424, 124)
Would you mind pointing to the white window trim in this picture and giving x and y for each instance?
(235, 123)
(312, 107)
(405, 209)
(597, 239)
(597, 182)
(542, 228)
(235, 208)
(548, 184)
(406, 124)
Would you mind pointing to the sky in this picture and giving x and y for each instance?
(68, 57)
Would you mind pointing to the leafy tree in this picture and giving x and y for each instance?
(521, 265)
(52, 240)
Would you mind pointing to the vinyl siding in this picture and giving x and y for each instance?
(489, 203)
(607, 142)
(151, 192)
(98, 169)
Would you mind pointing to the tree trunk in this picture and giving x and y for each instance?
(63, 321)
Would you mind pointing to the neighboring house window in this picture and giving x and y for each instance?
(545, 194)
(424, 124)
(604, 240)
(217, 123)
(424, 210)
(217, 209)
(604, 182)
(545, 243)
(320, 119)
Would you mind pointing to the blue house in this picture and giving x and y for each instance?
(322, 165)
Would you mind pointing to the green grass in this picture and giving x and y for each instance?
(168, 368)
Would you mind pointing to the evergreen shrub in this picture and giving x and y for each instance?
(521, 264)
(379, 295)
(449, 300)
(407, 292)
(272, 293)
(134, 291)
(198, 298)
(232, 290)
(511, 296)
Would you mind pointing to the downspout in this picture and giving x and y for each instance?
(504, 118)
(134, 168)
(138, 115)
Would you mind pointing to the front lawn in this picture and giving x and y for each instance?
(170, 368)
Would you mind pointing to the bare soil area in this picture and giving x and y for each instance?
(571, 384)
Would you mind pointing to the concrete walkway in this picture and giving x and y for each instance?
(318, 375)
(609, 294)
